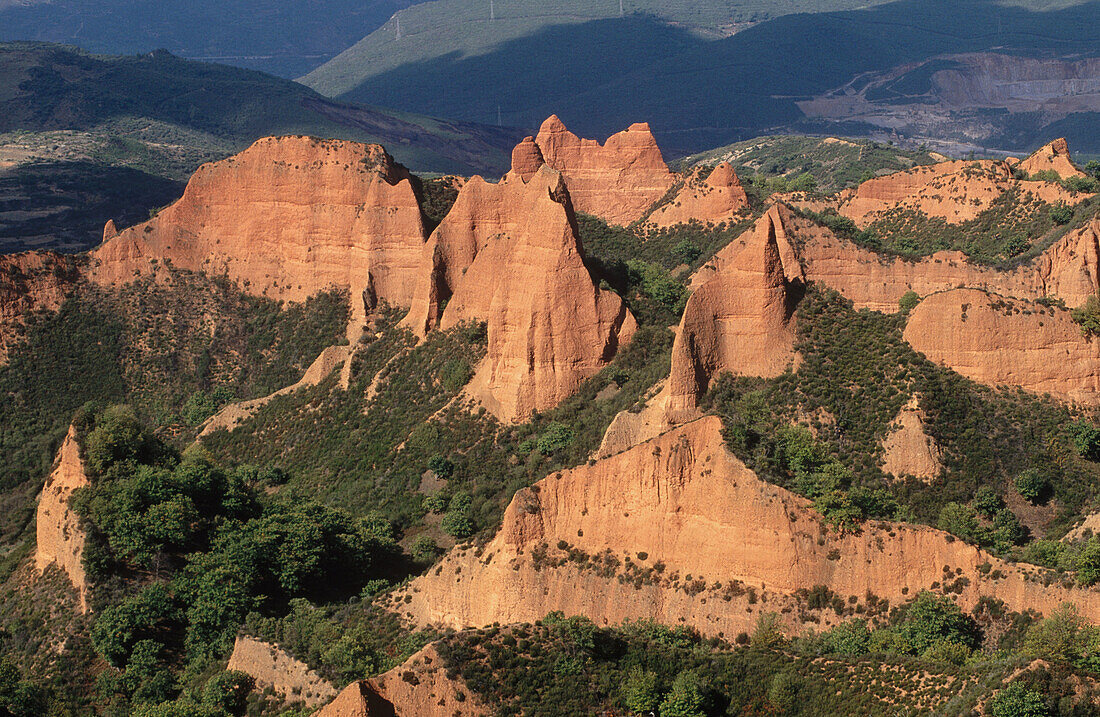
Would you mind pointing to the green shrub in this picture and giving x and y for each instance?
(556, 436)
(1086, 439)
(640, 691)
(1088, 316)
(987, 501)
(686, 698)
(1016, 700)
(1088, 563)
(908, 301)
(1033, 485)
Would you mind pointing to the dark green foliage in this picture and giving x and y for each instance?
(1086, 439)
(1033, 485)
(555, 437)
(1088, 316)
(931, 619)
(456, 522)
(1088, 563)
(437, 196)
(1016, 700)
(118, 346)
(1016, 227)
(19, 697)
(988, 502)
(228, 691)
(856, 374)
(908, 301)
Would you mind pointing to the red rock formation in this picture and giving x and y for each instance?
(508, 254)
(1067, 270)
(741, 319)
(288, 217)
(526, 159)
(429, 694)
(956, 191)
(717, 199)
(682, 500)
(110, 231)
(617, 181)
(271, 667)
(60, 539)
(1052, 157)
(31, 281)
(999, 341)
(908, 449)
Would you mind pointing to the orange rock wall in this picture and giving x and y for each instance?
(1052, 157)
(59, 537)
(683, 500)
(508, 254)
(715, 200)
(617, 181)
(392, 695)
(269, 666)
(288, 217)
(997, 342)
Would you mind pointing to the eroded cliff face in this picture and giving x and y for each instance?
(270, 667)
(59, 537)
(618, 180)
(508, 254)
(1001, 341)
(428, 693)
(718, 199)
(956, 191)
(287, 217)
(1067, 270)
(681, 500)
(1052, 157)
(741, 319)
(31, 281)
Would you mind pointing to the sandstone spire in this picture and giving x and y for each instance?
(60, 539)
(1052, 157)
(740, 320)
(508, 254)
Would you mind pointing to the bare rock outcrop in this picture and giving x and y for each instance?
(508, 254)
(715, 200)
(526, 159)
(741, 319)
(271, 667)
(31, 281)
(683, 501)
(287, 217)
(1007, 342)
(956, 191)
(418, 687)
(1068, 270)
(908, 449)
(618, 180)
(59, 536)
(1052, 157)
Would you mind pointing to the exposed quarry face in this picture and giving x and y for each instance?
(937, 99)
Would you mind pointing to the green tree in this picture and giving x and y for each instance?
(931, 618)
(1060, 637)
(640, 691)
(768, 633)
(987, 501)
(228, 691)
(1086, 439)
(1016, 700)
(686, 698)
(557, 435)
(784, 690)
(18, 697)
(1033, 485)
(849, 638)
(1088, 563)
(1088, 316)
(118, 436)
(908, 301)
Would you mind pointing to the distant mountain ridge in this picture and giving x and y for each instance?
(610, 71)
